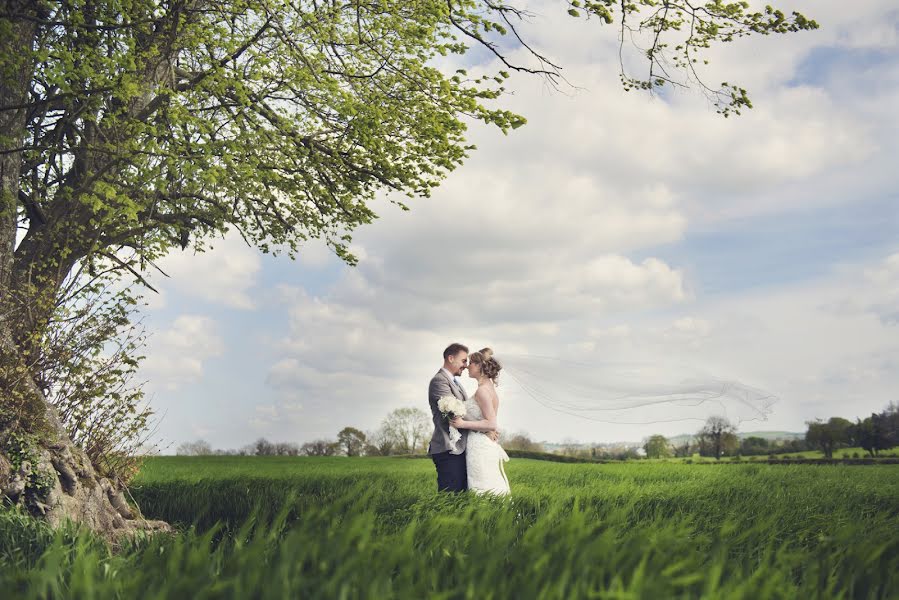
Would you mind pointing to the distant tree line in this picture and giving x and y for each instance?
(404, 431)
(261, 447)
(718, 437)
(874, 434)
(408, 430)
(597, 451)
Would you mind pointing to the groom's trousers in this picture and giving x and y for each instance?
(452, 474)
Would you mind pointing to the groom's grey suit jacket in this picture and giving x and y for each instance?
(442, 385)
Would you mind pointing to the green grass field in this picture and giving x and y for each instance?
(374, 527)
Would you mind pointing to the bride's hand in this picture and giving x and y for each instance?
(458, 423)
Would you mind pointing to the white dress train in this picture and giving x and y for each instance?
(484, 458)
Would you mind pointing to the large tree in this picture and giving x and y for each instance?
(878, 432)
(717, 437)
(320, 448)
(754, 445)
(197, 448)
(129, 128)
(408, 429)
(657, 446)
(828, 436)
(520, 441)
(352, 441)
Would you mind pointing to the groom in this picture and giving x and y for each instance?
(452, 476)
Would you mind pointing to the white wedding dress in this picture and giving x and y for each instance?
(484, 458)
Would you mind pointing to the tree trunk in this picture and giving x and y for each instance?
(54, 479)
(15, 76)
(40, 467)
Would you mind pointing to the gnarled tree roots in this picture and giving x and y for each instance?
(62, 485)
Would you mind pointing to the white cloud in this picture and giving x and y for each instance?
(176, 355)
(688, 330)
(223, 274)
(200, 432)
(315, 254)
(877, 293)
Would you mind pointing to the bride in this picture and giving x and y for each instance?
(484, 458)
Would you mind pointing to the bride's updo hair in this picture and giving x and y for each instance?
(490, 367)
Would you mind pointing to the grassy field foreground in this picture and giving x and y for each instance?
(370, 527)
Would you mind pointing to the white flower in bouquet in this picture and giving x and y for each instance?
(451, 406)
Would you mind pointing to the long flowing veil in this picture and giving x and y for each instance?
(634, 393)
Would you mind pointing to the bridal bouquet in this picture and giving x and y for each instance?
(450, 405)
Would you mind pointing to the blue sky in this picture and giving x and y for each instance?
(771, 250)
(764, 247)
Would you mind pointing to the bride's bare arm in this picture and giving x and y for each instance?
(488, 423)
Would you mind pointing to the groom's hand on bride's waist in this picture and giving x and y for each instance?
(493, 435)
